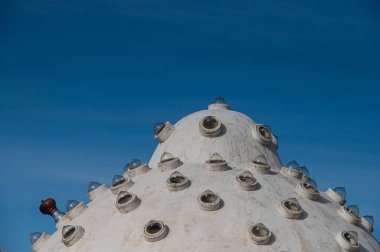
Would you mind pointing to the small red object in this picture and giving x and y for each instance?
(48, 206)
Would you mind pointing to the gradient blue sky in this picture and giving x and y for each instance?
(82, 82)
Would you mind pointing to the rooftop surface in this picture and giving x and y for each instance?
(227, 227)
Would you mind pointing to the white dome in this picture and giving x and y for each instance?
(236, 143)
(185, 226)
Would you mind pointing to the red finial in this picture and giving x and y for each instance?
(48, 206)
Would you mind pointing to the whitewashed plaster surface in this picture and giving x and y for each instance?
(191, 229)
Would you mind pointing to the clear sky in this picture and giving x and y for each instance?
(82, 82)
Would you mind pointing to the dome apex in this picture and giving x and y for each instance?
(236, 142)
(219, 100)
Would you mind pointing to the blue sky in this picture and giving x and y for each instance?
(82, 82)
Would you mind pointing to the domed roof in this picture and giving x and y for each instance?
(117, 180)
(33, 237)
(293, 165)
(93, 185)
(187, 220)
(341, 191)
(219, 100)
(71, 204)
(236, 143)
